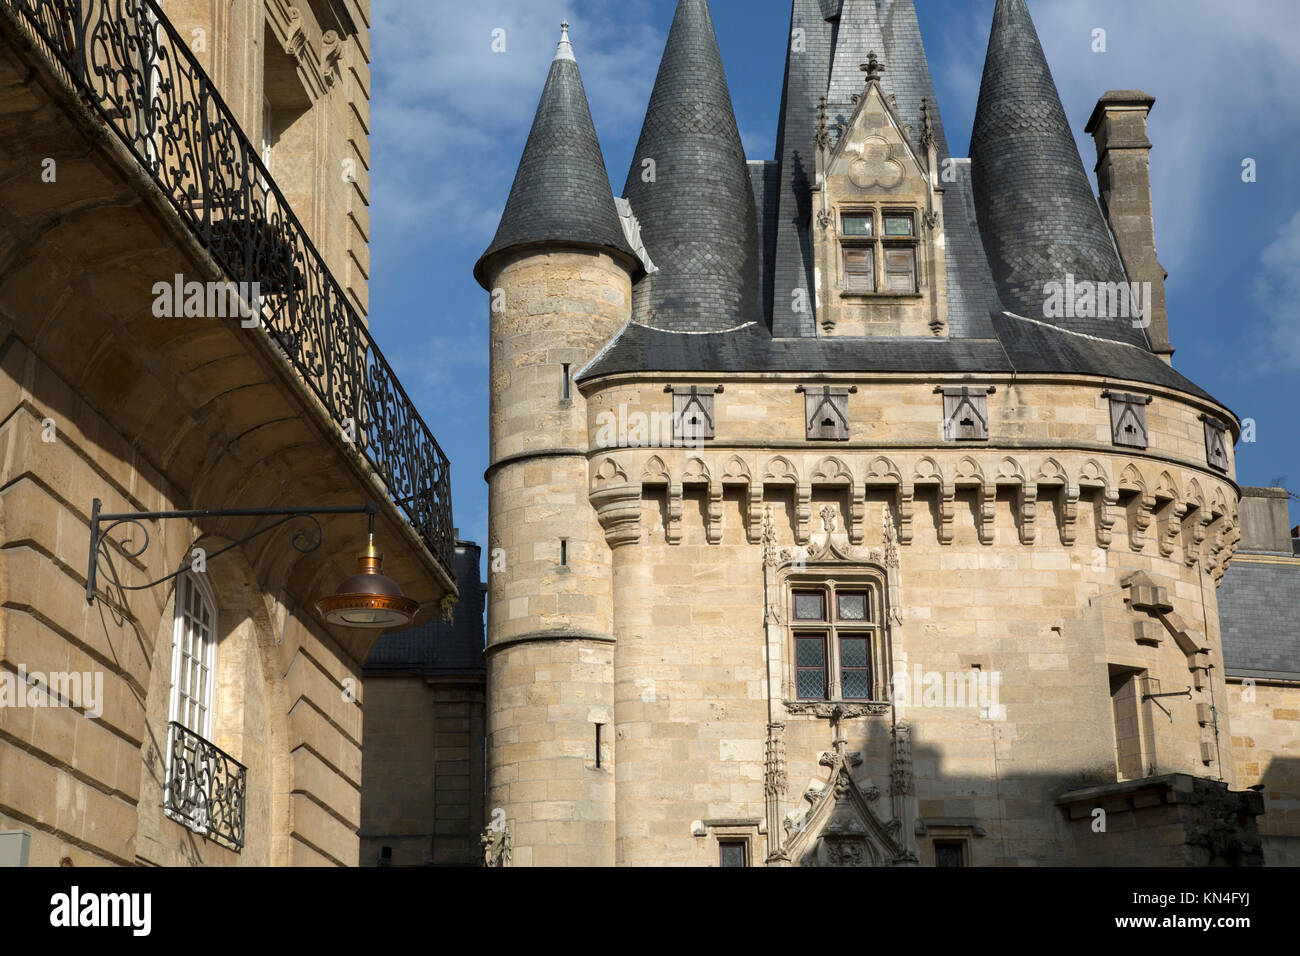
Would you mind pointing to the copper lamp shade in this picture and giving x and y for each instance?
(369, 598)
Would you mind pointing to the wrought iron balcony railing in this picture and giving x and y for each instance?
(128, 63)
(205, 787)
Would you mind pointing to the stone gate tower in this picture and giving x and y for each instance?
(846, 508)
(560, 271)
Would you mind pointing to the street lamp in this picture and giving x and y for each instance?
(368, 599)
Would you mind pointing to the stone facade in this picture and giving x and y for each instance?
(1261, 640)
(1266, 734)
(102, 399)
(422, 785)
(1027, 558)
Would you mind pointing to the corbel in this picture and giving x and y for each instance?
(906, 510)
(857, 513)
(1028, 513)
(673, 529)
(714, 530)
(803, 512)
(947, 509)
(1069, 514)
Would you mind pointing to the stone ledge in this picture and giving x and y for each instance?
(1166, 789)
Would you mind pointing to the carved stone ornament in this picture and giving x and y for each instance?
(775, 772)
(829, 517)
(295, 40)
(873, 67)
(823, 132)
(331, 55)
(927, 128)
(901, 783)
(826, 708)
(840, 828)
(496, 846)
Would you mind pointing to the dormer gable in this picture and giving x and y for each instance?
(873, 151)
(878, 247)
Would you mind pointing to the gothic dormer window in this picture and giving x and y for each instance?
(878, 242)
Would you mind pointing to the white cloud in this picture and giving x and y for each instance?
(1224, 79)
(1277, 291)
(444, 365)
(451, 115)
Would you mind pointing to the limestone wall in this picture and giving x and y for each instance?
(89, 788)
(1014, 560)
(1266, 751)
(423, 771)
(550, 603)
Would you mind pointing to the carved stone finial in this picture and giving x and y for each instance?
(564, 51)
(872, 68)
(770, 557)
(890, 536)
(927, 125)
(823, 131)
(829, 516)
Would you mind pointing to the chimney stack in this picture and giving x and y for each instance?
(1119, 125)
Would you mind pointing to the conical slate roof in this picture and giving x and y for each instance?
(690, 189)
(1037, 213)
(561, 192)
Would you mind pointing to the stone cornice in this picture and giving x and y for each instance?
(581, 637)
(863, 379)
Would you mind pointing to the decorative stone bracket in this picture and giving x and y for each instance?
(1191, 525)
(1146, 597)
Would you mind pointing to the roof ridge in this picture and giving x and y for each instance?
(1065, 331)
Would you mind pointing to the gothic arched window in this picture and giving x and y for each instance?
(837, 645)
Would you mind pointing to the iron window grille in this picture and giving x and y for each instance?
(205, 788)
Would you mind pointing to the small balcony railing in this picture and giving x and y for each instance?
(205, 788)
(130, 66)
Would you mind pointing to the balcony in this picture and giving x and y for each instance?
(205, 788)
(126, 64)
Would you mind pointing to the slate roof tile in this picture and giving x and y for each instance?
(561, 191)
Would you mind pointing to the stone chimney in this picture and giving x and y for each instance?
(1264, 520)
(1119, 125)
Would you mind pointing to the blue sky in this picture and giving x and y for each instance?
(450, 118)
